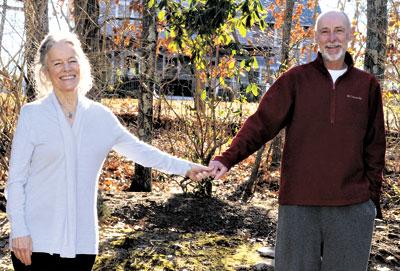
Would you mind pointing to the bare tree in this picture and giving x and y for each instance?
(276, 144)
(142, 178)
(86, 16)
(2, 21)
(377, 24)
(287, 27)
(36, 27)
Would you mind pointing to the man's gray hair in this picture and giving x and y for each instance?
(347, 19)
(42, 82)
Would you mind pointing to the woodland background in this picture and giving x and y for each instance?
(229, 52)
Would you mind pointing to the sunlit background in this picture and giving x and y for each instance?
(13, 33)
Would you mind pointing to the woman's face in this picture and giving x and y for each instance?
(63, 68)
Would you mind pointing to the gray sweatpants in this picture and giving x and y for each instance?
(324, 238)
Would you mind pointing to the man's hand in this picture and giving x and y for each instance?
(217, 169)
(22, 248)
(198, 172)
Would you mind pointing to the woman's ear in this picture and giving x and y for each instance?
(44, 75)
(45, 72)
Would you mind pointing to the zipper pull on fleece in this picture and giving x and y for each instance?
(333, 104)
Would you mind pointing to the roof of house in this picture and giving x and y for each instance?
(306, 18)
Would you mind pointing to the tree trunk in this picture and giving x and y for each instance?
(287, 27)
(199, 86)
(314, 18)
(375, 52)
(2, 22)
(142, 178)
(36, 27)
(276, 144)
(252, 182)
(86, 16)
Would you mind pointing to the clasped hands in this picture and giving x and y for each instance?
(215, 169)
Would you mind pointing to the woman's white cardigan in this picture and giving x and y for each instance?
(54, 171)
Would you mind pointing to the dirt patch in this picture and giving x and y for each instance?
(182, 233)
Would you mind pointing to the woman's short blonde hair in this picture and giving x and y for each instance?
(42, 82)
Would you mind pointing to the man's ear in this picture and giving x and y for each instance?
(315, 36)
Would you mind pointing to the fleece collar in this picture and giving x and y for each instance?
(319, 62)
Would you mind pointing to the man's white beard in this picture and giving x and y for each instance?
(334, 57)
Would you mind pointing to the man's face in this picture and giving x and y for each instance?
(332, 36)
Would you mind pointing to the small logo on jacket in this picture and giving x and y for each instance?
(354, 97)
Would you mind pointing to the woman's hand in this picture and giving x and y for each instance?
(198, 172)
(22, 248)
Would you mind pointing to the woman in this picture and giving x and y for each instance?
(58, 150)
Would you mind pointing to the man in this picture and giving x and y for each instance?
(333, 156)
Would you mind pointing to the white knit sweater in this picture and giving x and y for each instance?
(54, 171)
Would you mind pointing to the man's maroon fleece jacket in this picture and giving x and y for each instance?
(335, 139)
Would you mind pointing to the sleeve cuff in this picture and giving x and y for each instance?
(20, 232)
(18, 229)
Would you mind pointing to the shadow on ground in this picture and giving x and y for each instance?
(183, 233)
